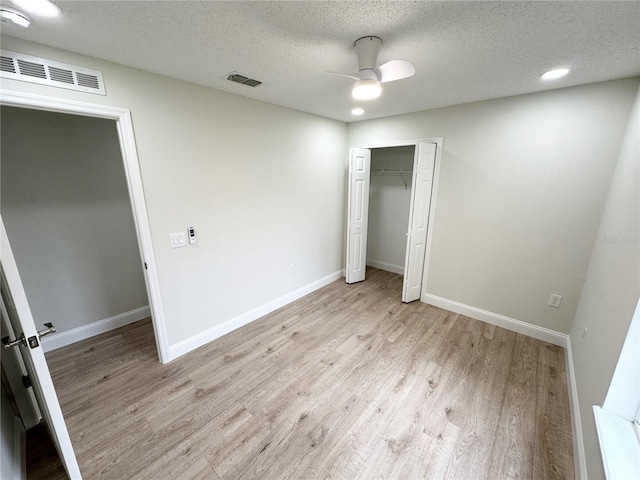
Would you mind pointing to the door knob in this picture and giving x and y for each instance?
(7, 344)
(33, 342)
(46, 331)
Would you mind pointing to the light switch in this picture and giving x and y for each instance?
(177, 240)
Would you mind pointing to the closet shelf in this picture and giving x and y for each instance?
(393, 171)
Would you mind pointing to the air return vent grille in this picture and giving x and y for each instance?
(249, 82)
(18, 66)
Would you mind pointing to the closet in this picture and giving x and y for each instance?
(389, 205)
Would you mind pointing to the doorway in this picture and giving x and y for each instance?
(393, 160)
(32, 350)
(128, 150)
(65, 207)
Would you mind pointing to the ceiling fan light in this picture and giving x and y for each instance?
(17, 18)
(43, 8)
(366, 90)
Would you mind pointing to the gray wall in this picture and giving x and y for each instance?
(389, 208)
(611, 289)
(522, 186)
(263, 185)
(65, 205)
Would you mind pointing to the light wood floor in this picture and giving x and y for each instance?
(346, 383)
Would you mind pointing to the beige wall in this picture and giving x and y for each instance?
(263, 186)
(68, 217)
(611, 289)
(522, 187)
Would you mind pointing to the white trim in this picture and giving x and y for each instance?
(129, 152)
(518, 326)
(388, 267)
(200, 339)
(398, 143)
(62, 339)
(618, 445)
(579, 458)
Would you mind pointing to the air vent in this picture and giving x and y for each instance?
(61, 75)
(6, 64)
(249, 82)
(18, 66)
(31, 69)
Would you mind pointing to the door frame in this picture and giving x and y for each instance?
(128, 150)
(439, 141)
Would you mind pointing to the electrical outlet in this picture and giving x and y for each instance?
(554, 300)
(292, 269)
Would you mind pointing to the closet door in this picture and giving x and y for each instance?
(358, 213)
(418, 220)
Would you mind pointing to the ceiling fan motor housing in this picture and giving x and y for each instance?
(367, 49)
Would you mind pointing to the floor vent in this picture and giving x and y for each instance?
(249, 82)
(19, 66)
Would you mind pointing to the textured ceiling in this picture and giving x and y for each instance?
(462, 51)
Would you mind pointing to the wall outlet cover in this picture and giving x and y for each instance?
(554, 300)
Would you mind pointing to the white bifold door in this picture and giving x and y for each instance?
(358, 211)
(359, 176)
(418, 220)
(24, 339)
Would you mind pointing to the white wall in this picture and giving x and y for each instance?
(389, 208)
(263, 186)
(611, 289)
(66, 209)
(523, 183)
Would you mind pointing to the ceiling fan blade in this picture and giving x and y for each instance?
(355, 76)
(395, 70)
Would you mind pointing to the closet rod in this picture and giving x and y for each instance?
(395, 172)
(387, 170)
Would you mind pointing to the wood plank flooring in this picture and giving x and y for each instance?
(43, 462)
(346, 383)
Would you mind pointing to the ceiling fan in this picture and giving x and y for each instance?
(370, 76)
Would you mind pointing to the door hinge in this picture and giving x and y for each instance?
(26, 381)
(145, 266)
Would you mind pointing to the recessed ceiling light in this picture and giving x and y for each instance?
(357, 111)
(553, 74)
(12, 16)
(43, 8)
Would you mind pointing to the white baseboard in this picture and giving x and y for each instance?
(62, 339)
(387, 267)
(518, 326)
(579, 458)
(196, 341)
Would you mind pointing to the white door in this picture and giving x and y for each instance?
(358, 213)
(418, 220)
(15, 369)
(21, 320)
